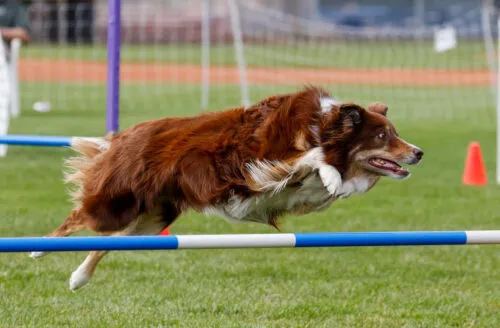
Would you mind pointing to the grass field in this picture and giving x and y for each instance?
(86, 101)
(358, 54)
(357, 287)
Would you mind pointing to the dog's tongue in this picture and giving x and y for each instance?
(387, 165)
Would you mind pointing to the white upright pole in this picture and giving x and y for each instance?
(498, 100)
(419, 18)
(239, 51)
(205, 53)
(4, 97)
(15, 104)
(62, 27)
(488, 41)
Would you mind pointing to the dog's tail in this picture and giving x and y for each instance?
(78, 168)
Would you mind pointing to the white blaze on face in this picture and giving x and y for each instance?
(410, 158)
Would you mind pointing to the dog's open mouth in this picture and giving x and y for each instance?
(388, 166)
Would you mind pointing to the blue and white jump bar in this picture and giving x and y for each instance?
(299, 240)
(33, 140)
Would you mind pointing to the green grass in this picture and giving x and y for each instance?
(358, 54)
(357, 287)
(76, 103)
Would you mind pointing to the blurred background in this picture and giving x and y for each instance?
(434, 63)
(361, 50)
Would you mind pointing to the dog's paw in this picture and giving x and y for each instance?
(37, 255)
(331, 179)
(79, 278)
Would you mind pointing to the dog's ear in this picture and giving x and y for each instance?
(379, 108)
(351, 114)
(339, 124)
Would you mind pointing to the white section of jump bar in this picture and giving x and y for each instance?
(92, 139)
(101, 142)
(483, 237)
(236, 241)
(47, 141)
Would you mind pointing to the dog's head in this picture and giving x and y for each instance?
(369, 141)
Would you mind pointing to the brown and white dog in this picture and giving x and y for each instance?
(292, 153)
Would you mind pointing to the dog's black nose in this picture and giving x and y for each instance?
(418, 153)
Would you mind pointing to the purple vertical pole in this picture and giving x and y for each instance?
(113, 88)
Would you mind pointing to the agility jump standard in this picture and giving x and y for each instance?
(327, 239)
(113, 89)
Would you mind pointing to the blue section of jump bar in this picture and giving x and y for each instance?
(334, 239)
(66, 244)
(380, 238)
(31, 140)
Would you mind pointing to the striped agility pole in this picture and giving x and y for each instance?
(326, 239)
(34, 140)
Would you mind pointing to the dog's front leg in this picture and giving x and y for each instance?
(331, 178)
(315, 160)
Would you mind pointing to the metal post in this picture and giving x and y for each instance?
(239, 51)
(113, 87)
(419, 16)
(498, 100)
(205, 54)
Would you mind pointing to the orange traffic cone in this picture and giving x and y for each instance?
(474, 172)
(165, 232)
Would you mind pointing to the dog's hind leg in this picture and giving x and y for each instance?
(143, 225)
(85, 271)
(73, 223)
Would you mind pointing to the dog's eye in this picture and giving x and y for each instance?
(382, 135)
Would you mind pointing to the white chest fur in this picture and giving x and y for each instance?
(354, 185)
(311, 196)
